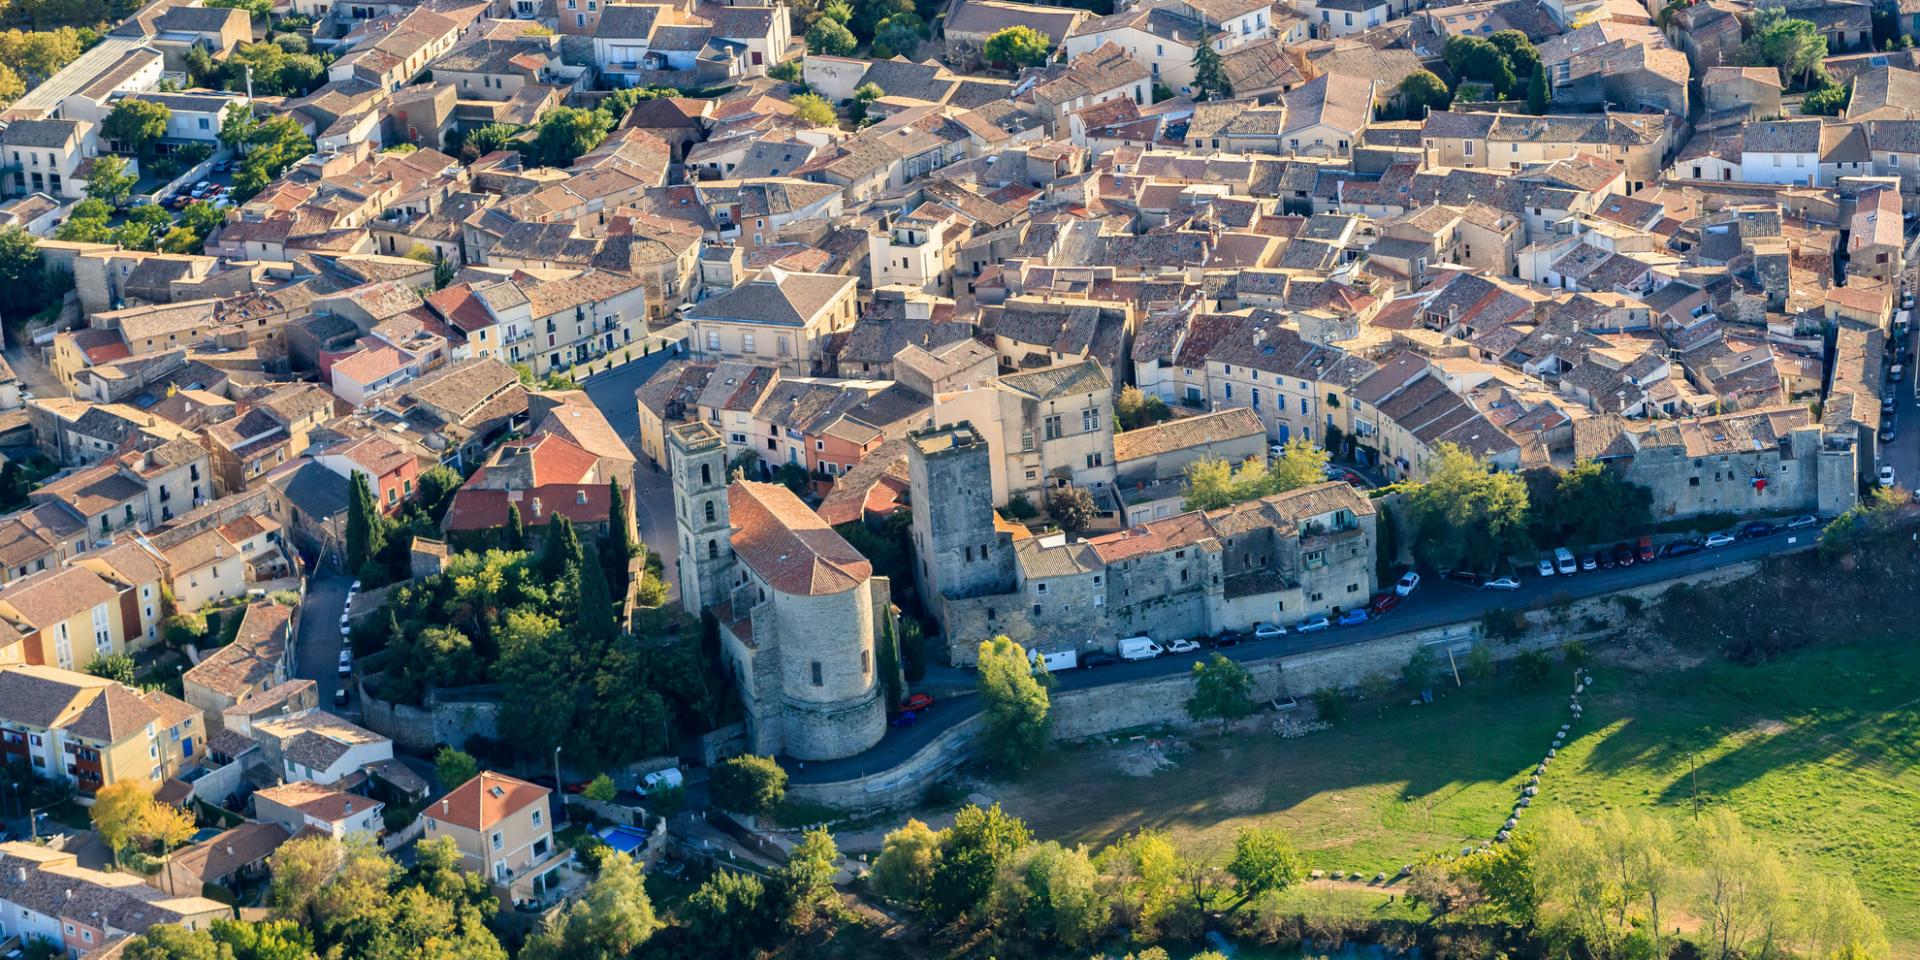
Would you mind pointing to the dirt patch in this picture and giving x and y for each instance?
(1244, 799)
(1768, 728)
(1146, 756)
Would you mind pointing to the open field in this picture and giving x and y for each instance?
(1816, 750)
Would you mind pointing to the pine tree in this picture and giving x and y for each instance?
(1209, 74)
(560, 549)
(366, 528)
(516, 535)
(617, 547)
(1538, 96)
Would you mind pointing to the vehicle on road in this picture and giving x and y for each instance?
(1056, 661)
(1464, 577)
(1098, 659)
(346, 663)
(1182, 646)
(1758, 529)
(353, 588)
(1589, 562)
(1546, 566)
(1681, 549)
(1719, 540)
(1268, 631)
(1605, 557)
(1231, 638)
(668, 779)
(1383, 604)
(1646, 550)
(1353, 618)
(906, 718)
(340, 696)
(1563, 561)
(1140, 648)
(1503, 583)
(1886, 474)
(1623, 555)
(1896, 372)
(1801, 523)
(1889, 426)
(1312, 624)
(1354, 479)
(1408, 581)
(918, 701)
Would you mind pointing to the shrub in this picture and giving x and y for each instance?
(1501, 623)
(1328, 703)
(1532, 667)
(748, 784)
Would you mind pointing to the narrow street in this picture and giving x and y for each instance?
(612, 393)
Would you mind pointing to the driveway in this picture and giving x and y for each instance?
(1437, 602)
(612, 393)
(317, 653)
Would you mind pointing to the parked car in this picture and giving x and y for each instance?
(1646, 550)
(1681, 549)
(1503, 583)
(1408, 581)
(1546, 566)
(1354, 479)
(1233, 638)
(1563, 561)
(1623, 555)
(346, 663)
(1312, 624)
(918, 701)
(1182, 646)
(345, 625)
(906, 718)
(1353, 618)
(1466, 577)
(1268, 631)
(1888, 428)
(340, 696)
(1098, 659)
(1719, 540)
(1383, 604)
(660, 779)
(201, 189)
(1800, 523)
(1605, 557)
(1886, 474)
(1757, 529)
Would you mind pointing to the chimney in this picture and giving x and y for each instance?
(443, 806)
(229, 849)
(20, 874)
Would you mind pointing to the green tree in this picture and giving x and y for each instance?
(1589, 504)
(904, 868)
(1143, 872)
(274, 146)
(113, 666)
(611, 920)
(829, 38)
(110, 183)
(1072, 508)
(1134, 408)
(454, 767)
(806, 879)
(11, 86)
(1467, 516)
(1423, 91)
(516, 529)
(728, 915)
(748, 784)
(22, 275)
(1264, 861)
(1828, 101)
(1299, 464)
(1018, 46)
(1019, 721)
(1521, 56)
(1222, 690)
(490, 138)
(1210, 74)
(40, 54)
(1479, 60)
(566, 133)
(980, 844)
(1505, 875)
(899, 34)
(814, 109)
(170, 942)
(863, 97)
(1794, 47)
(265, 940)
(366, 527)
(1054, 892)
(600, 789)
(1539, 96)
(136, 125)
(87, 223)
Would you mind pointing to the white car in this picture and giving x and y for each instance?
(346, 662)
(1886, 474)
(1182, 646)
(1312, 624)
(1503, 583)
(1268, 631)
(1719, 540)
(1798, 523)
(355, 588)
(1546, 567)
(1408, 581)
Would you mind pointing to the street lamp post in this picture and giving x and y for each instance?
(559, 789)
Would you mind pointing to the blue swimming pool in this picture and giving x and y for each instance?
(624, 839)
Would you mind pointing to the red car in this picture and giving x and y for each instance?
(919, 701)
(1383, 603)
(1354, 479)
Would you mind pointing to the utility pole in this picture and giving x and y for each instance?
(1694, 758)
(559, 789)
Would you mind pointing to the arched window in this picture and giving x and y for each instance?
(709, 511)
(713, 550)
(706, 473)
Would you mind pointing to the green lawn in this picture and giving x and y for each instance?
(1816, 750)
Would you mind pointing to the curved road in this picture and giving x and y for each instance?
(1436, 603)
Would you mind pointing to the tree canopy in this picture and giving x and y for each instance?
(1018, 711)
(1018, 46)
(1466, 515)
(137, 124)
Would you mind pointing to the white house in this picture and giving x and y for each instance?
(50, 157)
(316, 745)
(1159, 37)
(1781, 151)
(194, 116)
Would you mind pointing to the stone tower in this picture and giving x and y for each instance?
(699, 462)
(960, 552)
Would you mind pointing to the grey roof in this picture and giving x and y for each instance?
(1783, 136)
(627, 21)
(40, 133)
(777, 297)
(198, 19)
(314, 490)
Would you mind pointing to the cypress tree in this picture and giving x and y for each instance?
(516, 535)
(1538, 96)
(560, 548)
(366, 533)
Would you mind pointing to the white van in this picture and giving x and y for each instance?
(1564, 562)
(1056, 661)
(1140, 648)
(661, 779)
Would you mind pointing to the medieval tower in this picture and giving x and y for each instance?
(699, 464)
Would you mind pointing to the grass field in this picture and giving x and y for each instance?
(1816, 750)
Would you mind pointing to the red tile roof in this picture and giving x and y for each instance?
(486, 800)
(789, 545)
(476, 509)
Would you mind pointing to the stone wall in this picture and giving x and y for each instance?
(903, 785)
(425, 728)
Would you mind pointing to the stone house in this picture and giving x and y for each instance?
(1047, 429)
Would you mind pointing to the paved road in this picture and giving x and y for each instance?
(1435, 603)
(317, 654)
(612, 393)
